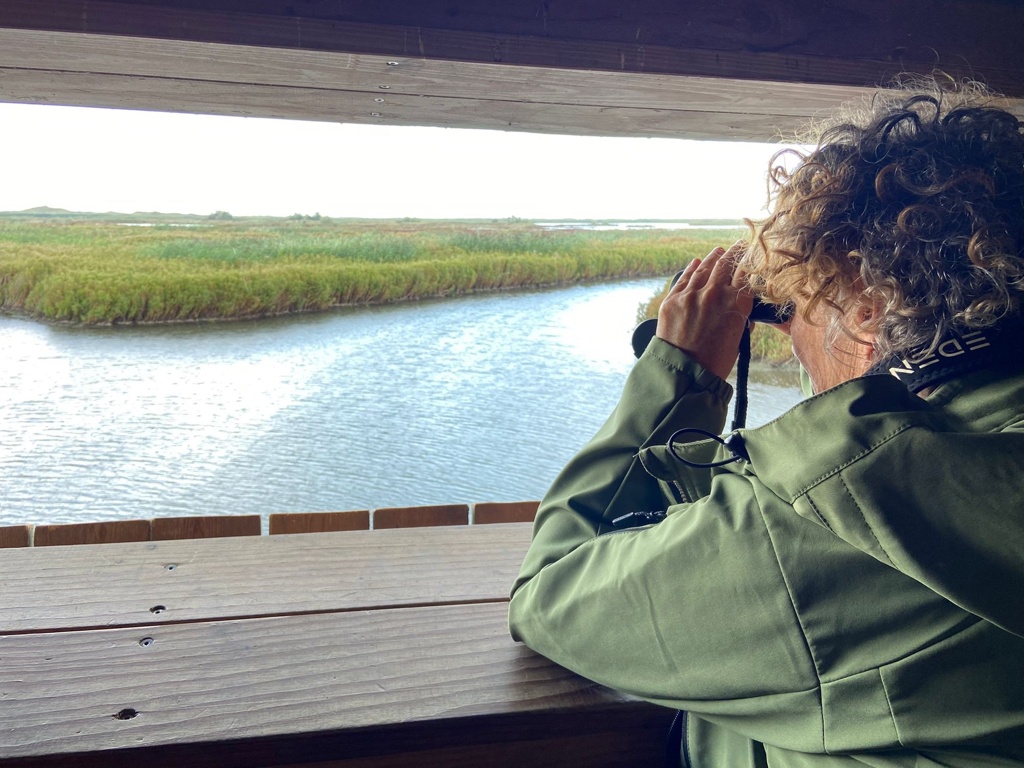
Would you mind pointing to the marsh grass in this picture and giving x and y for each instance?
(99, 272)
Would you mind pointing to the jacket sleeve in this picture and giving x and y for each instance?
(686, 612)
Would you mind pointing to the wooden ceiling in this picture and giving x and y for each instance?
(705, 69)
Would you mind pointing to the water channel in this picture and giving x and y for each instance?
(479, 398)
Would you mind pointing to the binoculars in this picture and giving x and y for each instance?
(761, 313)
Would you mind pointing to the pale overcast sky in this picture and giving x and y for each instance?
(118, 160)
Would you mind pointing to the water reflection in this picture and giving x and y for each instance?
(481, 398)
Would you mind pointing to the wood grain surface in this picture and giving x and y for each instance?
(15, 536)
(91, 533)
(205, 527)
(362, 649)
(486, 513)
(268, 683)
(109, 585)
(734, 70)
(765, 39)
(319, 522)
(420, 517)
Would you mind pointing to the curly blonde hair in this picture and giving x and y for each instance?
(912, 204)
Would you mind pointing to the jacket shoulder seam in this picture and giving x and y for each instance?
(854, 459)
(888, 704)
(867, 523)
(799, 622)
(817, 513)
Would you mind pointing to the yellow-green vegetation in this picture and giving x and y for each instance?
(767, 345)
(137, 271)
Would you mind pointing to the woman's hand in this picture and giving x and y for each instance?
(705, 312)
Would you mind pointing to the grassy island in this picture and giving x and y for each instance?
(155, 268)
(138, 269)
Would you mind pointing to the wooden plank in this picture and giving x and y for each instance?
(74, 89)
(319, 522)
(15, 536)
(169, 581)
(290, 104)
(489, 512)
(715, 84)
(418, 517)
(92, 533)
(206, 527)
(353, 75)
(393, 687)
(767, 40)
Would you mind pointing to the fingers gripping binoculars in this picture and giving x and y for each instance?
(761, 313)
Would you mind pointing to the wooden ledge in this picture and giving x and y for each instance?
(363, 649)
(421, 686)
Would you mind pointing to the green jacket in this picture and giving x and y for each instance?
(852, 595)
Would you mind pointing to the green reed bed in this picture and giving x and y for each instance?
(101, 272)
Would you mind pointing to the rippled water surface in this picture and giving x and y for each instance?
(481, 398)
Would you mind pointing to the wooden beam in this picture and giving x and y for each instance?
(724, 69)
(429, 687)
(97, 70)
(846, 42)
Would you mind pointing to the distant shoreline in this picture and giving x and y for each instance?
(153, 218)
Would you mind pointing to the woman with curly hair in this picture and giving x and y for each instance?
(843, 586)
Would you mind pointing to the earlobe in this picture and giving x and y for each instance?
(865, 316)
(865, 350)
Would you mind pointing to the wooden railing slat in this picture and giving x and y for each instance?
(15, 536)
(424, 516)
(319, 522)
(92, 533)
(165, 528)
(199, 527)
(485, 513)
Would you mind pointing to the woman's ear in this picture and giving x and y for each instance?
(868, 311)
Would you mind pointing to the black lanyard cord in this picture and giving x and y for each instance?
(739, 414)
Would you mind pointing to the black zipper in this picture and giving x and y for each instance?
(684, 497)
(686, 739)
(677, 749)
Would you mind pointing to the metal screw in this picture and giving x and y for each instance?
(146, 642)
(392, 63)
(379, 100)
(384, 87)
(375, 114)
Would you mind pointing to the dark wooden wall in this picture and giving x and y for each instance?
(733, 69)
